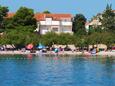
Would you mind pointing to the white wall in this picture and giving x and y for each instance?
(66, 29)
(55, 22)
(48, 24)
(48, 21)
(44, 29)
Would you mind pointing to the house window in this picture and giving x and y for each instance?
(55, 29)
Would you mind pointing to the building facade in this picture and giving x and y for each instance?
(58, 23)
(95, 22)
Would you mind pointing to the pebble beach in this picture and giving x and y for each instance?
(102, 53)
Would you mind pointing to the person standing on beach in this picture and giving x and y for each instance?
(56, 51)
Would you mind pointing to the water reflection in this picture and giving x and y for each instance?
(30, 56)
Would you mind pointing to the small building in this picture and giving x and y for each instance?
(95, 22)
(58, 23)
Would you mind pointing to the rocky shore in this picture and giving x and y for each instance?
(63, 53)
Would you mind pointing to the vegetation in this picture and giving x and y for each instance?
(19, 30)
(47, 12)
(79, 24)
(108, 19)
(3, 13)
(25, 17)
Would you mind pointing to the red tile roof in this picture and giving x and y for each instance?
(113, 11)
(10, 15)
(42, 16)
(39, 17)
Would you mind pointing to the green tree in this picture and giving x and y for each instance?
(3, 13)
(79, 24)
(8, 23)
(101, 38)
(93, 30)
(108, 19)
(49, 38)
(47, 12)
(52, 38)
(21, 35)
(66, 38)
(24, 17)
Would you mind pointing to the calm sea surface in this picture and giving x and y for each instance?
(31, 70)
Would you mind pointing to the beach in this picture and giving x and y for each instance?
(63, 53)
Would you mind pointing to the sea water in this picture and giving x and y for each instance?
(29, 70)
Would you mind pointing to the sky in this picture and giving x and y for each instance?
(88, 8)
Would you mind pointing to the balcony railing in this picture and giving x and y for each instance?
(64, 23)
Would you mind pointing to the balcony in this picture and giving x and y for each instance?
(49, 23)
(66, 23)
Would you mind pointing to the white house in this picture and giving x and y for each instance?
(58, 23)
(95, 21)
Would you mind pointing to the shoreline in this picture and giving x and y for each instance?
(63, 53)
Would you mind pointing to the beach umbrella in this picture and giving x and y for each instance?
(29, 46)
(40, 46)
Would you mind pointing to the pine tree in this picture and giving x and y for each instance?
(79, 24)
(108, 19)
